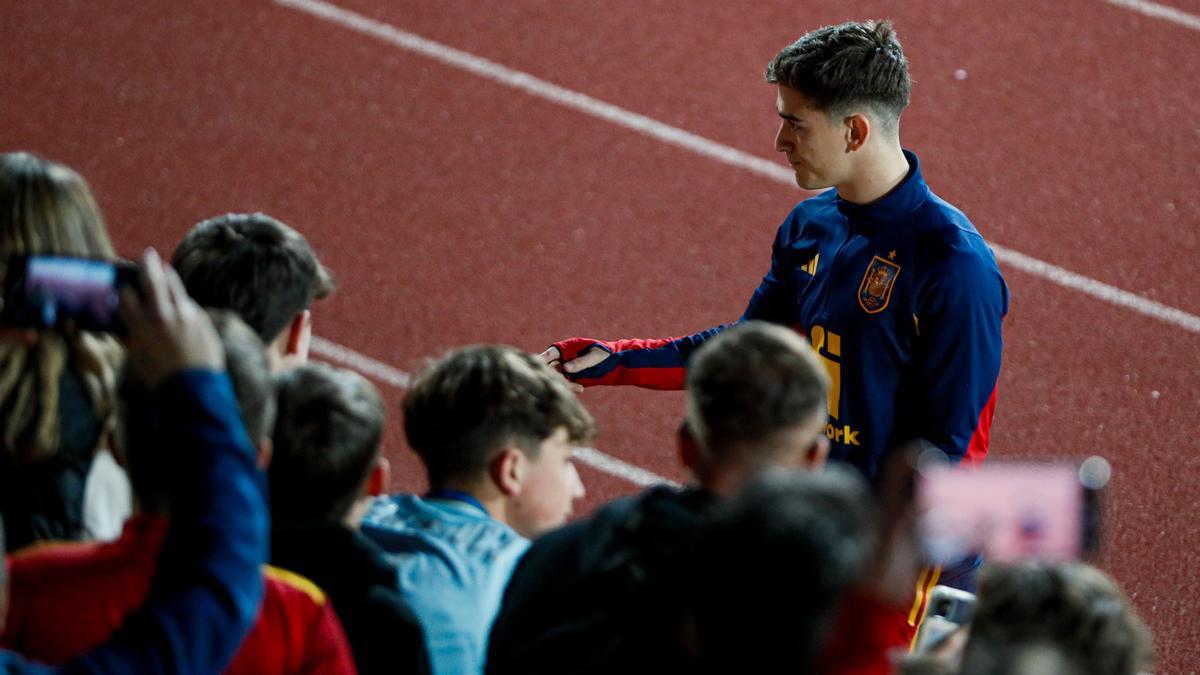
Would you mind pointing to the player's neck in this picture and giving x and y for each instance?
(877, 174)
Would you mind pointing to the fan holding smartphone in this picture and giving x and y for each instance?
(59, 360)
(49, 291)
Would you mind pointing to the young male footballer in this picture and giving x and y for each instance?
(895, 288)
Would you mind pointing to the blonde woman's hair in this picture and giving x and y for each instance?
(47, 208)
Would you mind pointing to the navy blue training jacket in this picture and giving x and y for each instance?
(902, 299)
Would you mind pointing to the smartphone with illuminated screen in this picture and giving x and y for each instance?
(1011, 511)
(50, 291)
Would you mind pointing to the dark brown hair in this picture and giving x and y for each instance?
(773, 562)
(471, 403)
(254, 265)
(841, 67)
(326, 440)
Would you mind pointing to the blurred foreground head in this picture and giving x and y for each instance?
(500, 424)
(756, 398)
(1055, 618)
(773, 564)
(147, 445)
(327, 450)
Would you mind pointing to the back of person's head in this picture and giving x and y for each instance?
(256, 266)
(1039, 612)
(846, 67)
(757, 397)
(48, 208)
(773, 562)
(327, 440)
(146, 445)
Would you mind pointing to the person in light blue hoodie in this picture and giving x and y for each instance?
(495, 428)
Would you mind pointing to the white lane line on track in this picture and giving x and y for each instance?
(360, 362)
(1159, 11)
(581, 102)
(611, 465)
(400, 379)
(1098, 289)
(540, 88)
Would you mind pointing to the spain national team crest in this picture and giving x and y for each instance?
(876, 289)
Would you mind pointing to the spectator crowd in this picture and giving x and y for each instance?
(190, 494)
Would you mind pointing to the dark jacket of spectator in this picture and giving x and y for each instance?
(603, 595)
(384, 634)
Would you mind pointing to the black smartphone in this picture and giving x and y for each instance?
(51, 291)
(1012, 511)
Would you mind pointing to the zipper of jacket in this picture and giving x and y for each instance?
(823, 314)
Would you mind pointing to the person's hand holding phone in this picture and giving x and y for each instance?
(166, 331)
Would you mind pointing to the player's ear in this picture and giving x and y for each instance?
(857, 131)
(507, 471)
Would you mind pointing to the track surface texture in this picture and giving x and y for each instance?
(456, 210)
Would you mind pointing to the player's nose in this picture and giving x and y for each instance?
(783, 138)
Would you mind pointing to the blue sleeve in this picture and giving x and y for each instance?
(958, 360)
(208, 583)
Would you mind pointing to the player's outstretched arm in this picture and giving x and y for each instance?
(661, 364)
(651, 364)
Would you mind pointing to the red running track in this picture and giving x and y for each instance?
(455, 210)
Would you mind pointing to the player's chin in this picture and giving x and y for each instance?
(808, 181)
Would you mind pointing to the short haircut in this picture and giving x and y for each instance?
(841, 67)
(1072, 610)
(254, 265)
(750, 382)
(327, 438)
(146, 445)
(467, 406)
(773, 563)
